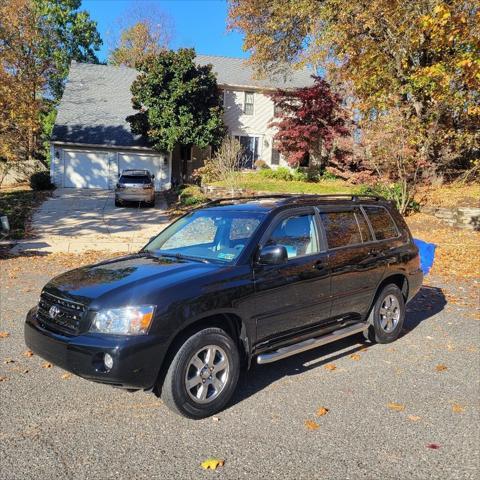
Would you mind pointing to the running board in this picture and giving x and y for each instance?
(285, 352)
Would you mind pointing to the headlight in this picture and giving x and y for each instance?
(124, 321)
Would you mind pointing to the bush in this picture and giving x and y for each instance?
(192, 195)
(262, 165)
(281, 173)
(206, 174)
(41, 181)
(326, 175)
(392, 192)
(300, 175)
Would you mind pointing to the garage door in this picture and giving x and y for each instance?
(86, 169)
(156, 164)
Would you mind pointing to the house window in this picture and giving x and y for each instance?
(275, 160)
(277, 110)
(250, 150)
(248, 104)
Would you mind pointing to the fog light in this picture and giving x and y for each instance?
(108, 361)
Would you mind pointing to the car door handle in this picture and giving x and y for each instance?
(319, 265)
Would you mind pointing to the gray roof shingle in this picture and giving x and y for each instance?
(97, 99)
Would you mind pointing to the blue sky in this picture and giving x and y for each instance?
(197, 23)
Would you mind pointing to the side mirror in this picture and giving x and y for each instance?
(272, 255)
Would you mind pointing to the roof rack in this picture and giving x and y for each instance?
(353, 198)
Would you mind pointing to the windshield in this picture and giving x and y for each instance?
(207, 235)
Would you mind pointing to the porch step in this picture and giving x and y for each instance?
(285, 352)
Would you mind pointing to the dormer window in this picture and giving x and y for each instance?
(248, 103)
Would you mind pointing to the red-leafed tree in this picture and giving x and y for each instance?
(308, 120)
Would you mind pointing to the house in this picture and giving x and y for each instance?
(92, 142)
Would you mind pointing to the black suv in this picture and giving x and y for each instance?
(239, 279)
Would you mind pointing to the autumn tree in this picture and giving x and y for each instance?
(421, 58)
(38, 39)
(142, 32)
(178, 102)
(308, 121)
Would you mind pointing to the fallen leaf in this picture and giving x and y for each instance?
(215, 419)
(9, 360)
(66, 376)
(433, 446)
(355, 356)
(398, 407)
(25, 371)
(2, 379)
(321, 411)
(47, 365)
(414, 418)
(440, 367)
(4, 334)
(212, 463)
(311, 425)
(330, 366)
(456, 408)
(28, 353)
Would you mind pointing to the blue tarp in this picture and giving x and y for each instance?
(427, 254)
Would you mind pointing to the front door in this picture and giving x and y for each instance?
(294, 296)
(355, 265)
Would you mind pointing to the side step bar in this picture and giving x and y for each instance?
(285, 352)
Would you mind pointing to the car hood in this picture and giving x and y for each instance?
(121, 280)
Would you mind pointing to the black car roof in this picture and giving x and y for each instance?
(274, 201)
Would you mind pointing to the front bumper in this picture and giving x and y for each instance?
(136, 359)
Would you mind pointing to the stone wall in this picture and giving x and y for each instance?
(460, 217)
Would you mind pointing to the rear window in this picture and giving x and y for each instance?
(382, 223)
(132, 179)
(343, 228)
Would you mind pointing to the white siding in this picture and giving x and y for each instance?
(251, 125)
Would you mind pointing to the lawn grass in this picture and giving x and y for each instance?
(18, 204)
(254, 182)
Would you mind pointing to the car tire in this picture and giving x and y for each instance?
(118, 203)
(387, 316)
(151, 204)
(190, 388)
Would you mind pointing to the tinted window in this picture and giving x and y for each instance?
(297, 234)
(341, 228)
(382, 223)
(363, 226)
(132, 179)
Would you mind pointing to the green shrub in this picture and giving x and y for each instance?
(300, 175)
(281, 173)
(326, 175)
(41, 181)
(192, 195)
(261, 165)
(392, 192)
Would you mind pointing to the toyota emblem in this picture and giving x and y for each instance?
(53, 312)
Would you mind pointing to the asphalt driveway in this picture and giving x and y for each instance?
(76, 220)
(400, 411)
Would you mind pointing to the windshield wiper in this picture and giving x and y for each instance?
(179, 256)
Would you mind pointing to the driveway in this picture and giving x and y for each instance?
(76, 220)
(407, 410)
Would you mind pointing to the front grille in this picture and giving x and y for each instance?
(68, 314)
